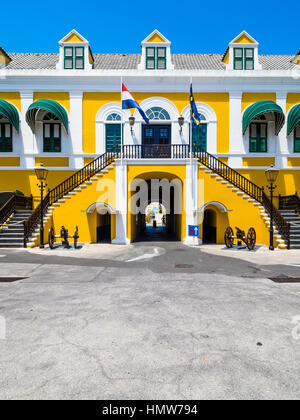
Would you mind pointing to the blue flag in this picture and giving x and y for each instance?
(195, 117)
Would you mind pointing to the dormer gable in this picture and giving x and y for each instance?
(242, 53)
(74, 53)
(156, 53)
(4, 58)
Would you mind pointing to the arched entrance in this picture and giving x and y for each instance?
(103, 221)
(210, 227)
(156, 208)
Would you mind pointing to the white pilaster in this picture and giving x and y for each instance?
(281, 140)
(121, 205)
(235, 122)
(75, 129)
(26, 136)
(191, 200)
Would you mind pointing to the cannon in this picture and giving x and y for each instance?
(249, 240)
(64, 236)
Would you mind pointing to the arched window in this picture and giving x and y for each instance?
(113, 132)
(51, 134)
(199, 138)
(157, 113)
(113, 117)
(5, 135)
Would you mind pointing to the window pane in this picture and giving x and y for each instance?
(239, 65)
(68, 63)
(79, 52)
(253, 130)
(263, 146)
(150, 64)
(297, 130)
(252, 147)
(79, 63)
(56, 130)
(249, 53)
(150, 52)
(161, 52)
(263, 130)
(68, 52)
(238, 52)
(7, 130)
(249, 65)
(47, 130)
(161, 63)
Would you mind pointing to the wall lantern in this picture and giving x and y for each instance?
(131, 123)
(181, 122)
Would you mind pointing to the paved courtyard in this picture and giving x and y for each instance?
(152, 320)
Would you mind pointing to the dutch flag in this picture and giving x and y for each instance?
(129, 102)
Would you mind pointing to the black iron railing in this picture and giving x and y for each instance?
(12, 204)
(65, 187)
(245, 185)
(156, 151)
(290, 202)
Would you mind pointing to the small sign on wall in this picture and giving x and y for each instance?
(194, 230)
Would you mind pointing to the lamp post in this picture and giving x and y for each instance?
(41, 174)
(271, 175)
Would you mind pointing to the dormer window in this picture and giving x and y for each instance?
(242, 54)
(74, 53)
(74, 58)
(243, 58)
(156, 53)
(156, 58)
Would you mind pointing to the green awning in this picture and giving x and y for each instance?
(9, 111)
(46, 105)
(264, 107)
(293, 119)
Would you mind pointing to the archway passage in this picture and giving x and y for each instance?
(158, 219)
(103, 228)
(210, 227)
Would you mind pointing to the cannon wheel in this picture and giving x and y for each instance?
(229, 237)
(251, 239)
(51, 238)
(76, 236)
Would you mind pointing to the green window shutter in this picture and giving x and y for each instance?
(249, 59)
(5, 137)
(258, 139)
(150, 58)
(161, 62)
(112, 136)
(238, 54)
(68, 58)
(297, 139)
(79, 58)
(52, 138)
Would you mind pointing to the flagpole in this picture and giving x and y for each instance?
(121, 123)
(191, 128)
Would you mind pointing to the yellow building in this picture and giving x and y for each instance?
(105, 165)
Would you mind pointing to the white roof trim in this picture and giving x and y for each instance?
(156, 31)
(240, 35)
(72, 33)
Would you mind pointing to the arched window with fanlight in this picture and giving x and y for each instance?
(199, 134)
(157, 113)
(113, 132)
(51, 134)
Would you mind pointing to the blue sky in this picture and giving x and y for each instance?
(120, 26)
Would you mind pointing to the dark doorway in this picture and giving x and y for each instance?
(156, 141)
(210, 227)
(104, 228)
